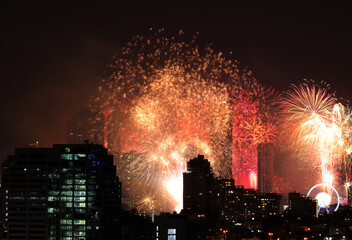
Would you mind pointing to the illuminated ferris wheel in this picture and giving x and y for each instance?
(325, 194)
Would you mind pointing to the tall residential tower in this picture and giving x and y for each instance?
(68, 192)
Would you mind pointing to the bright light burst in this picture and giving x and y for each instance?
(322, 126)
(169, 100)
(255, 120)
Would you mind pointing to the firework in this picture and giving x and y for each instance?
(166, 100)
(255, 120)
(320, 124)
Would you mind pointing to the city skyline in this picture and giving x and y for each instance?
(259, 93)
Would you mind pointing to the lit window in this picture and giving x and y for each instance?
(80, 193)
(80, 181)
(171, 234)
(79, 222)
(80, 199)
(80, 187)
(79, 204)
(68, 204)
(77, 233)
(80, 155)
(66, 193)
(66, 221)
(66, 156)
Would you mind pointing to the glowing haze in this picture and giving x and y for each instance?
(165, 100)
(168, 100)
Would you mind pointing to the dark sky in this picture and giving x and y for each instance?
(53, 54)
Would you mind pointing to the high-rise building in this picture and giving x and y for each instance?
(68, 192)
(349, 196)
(265, 167)
(302, 206)
(171, 226)
(239, 204)
(197, 185)
(224, 198)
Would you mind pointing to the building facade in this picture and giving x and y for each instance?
(265, 167)
(197, 185)
(68, 192)
(302, 206)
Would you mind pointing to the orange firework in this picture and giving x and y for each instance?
(169, 100)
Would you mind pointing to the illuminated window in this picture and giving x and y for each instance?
(171, 234)
(68, 227)
(66, 199)
(80, 199)
(53, 193)
(77, 233)
(66, 221)
(80, 193)
(80, 187)
(67, 233)
(68, 204)
(80, 181)
(80, 155)
(79, 222)
(79, 204)
(80, 210)
(66, 156)
(66, 193)
(67, 187)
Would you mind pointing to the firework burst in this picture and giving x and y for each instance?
(169, 100)
(321, 124)
(255, 120)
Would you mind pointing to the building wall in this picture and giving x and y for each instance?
(66, 192)
(265, 167)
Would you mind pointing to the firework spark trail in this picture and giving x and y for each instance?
(170, 100)
(320, 123)
(256, 114)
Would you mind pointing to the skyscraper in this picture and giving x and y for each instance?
(265, 167)
(67, 192)
(302, 206)
(197, 186)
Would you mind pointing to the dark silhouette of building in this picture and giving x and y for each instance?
(171, 226)
(224, 197)
(135, 226)
(66, 192)
(238, 204)
(302, 206)
(197, 185)
(265, 167)
(349, 196)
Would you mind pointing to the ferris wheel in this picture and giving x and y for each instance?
(325, 196)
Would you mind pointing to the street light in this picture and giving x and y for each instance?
(270, 235)
(224, 232)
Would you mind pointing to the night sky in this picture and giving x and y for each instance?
(54, 54)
